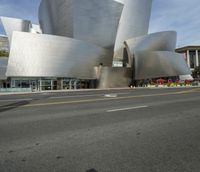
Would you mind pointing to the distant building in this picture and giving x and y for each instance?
(191, 54)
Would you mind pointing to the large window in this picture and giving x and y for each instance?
(21, 84)
(46, 85)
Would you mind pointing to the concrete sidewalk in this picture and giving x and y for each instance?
(86, 90)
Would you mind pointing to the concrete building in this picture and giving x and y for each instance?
(98, 43)
(191, 54)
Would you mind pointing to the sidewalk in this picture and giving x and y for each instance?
(86, 90)
(60, 91)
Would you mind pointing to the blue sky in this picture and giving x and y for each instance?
(182, 16)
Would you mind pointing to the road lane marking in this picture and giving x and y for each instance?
(90, 95)
(129, 108)
(102, 99)
(64, 97)
(106, 99)
(110, 95)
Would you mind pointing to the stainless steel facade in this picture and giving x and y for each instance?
(113, 77)
(94, 21)
(153, 56)
(134, 22)
(161, 41)
(12, 24)
(80, 39)
(160, 64)
(40, 55)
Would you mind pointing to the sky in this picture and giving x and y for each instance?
(182, 16)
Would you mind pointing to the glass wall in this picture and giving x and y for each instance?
(21, 84)
(39, 84)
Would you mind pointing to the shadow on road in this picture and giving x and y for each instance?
(11, 106)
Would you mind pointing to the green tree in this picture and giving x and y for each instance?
(4, 53)
(196, 72)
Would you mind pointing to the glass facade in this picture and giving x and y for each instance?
(51, 83)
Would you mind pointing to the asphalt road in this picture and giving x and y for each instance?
(128, 130)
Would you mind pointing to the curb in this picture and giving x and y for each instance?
(87, 90)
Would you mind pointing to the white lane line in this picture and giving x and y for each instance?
(63, 97)
(129, 108)
(15, 100)
(90, 95)
(110, 95)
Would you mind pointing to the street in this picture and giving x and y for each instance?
(127, 130)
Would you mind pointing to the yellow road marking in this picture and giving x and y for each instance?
(128, 108)
(112, 98)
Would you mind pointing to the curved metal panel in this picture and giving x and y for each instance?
(160, 41)
(3, 67)
(153, 64)
(97, 21)
(134, 22)
(94, 21)
(38, 55)
(50, 16)
(115, 77)
(12, 24)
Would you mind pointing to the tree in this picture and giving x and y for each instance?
(196, 72)
(4, 53)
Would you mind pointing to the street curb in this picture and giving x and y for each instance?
(87, 90)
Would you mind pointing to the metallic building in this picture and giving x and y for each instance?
(54, 56)
(94, 21)
(12, 24)
(84, 39)
(153, 56)
(113, 77)
(162, 64)
(134, 22)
